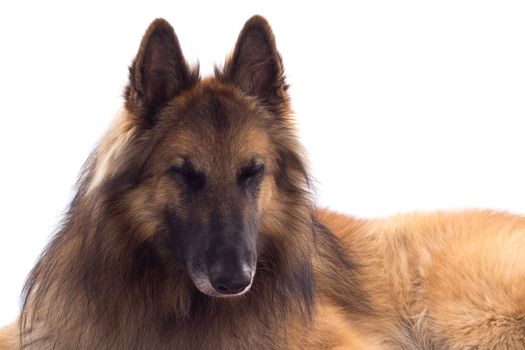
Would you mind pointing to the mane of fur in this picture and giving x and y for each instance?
(96, 287)
(99, 285)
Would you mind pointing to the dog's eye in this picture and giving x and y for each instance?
(191, 177)
(251, 173)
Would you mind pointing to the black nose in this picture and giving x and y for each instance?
(226, 282)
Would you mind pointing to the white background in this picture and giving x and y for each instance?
(402, 105)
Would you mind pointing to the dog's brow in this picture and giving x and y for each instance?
(252, 161)
(178, 161)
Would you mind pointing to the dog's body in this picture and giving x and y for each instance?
(193, 228)
(439, 281)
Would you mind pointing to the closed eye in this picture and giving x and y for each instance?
(190, 176)
(251, 173)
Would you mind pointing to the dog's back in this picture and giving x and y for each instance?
(444, 280)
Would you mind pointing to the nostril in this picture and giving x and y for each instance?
(232, 283)
(222, 289)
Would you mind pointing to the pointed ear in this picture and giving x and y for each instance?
(256, 66)
(158, 73)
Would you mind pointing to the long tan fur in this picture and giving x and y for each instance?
(113, 278)
(9, 337)
(436, 280)
(444, 280)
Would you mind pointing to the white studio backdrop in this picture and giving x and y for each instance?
(401, 105)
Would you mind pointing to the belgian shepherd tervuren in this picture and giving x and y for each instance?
(193, 228)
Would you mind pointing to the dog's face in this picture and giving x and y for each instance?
(212, 171)
(213, 165)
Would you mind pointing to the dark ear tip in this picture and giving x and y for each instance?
(258, 22)
(160, 22)
(160, 25)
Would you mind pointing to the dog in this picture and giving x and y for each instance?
(193, 227)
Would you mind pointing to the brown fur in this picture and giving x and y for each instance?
(439, 280)
(113, 278)
(9, 337)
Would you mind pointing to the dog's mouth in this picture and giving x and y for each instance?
(202, 281)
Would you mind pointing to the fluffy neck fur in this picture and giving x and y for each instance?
(96, 287)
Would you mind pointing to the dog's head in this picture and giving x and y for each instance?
(209, 163)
